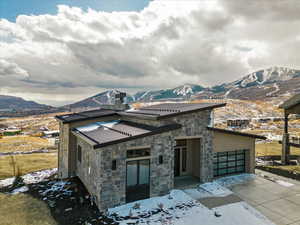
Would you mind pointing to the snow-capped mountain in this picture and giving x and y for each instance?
(262, 84)
(182, 92)
(271, 82)
(95, 101)
(271, 75)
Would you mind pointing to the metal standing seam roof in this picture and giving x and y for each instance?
(86, 115)
(293, 101)
(170, 109)
(112, 132)
(149, 112)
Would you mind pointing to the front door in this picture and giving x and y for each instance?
(137, 180)
(180, 160)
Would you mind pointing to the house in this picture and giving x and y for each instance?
(238, 123)
(122, 155)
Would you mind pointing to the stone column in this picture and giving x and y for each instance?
(285, 142)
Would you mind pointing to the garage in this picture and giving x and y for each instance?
(233, 151)
(226, 163)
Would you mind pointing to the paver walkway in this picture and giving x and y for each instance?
(278, 198)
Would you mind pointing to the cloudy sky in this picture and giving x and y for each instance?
(64, 50)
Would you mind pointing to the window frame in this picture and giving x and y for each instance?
(222, 158)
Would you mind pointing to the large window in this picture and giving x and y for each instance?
(229, 162)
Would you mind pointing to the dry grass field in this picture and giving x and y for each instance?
(22, 209)
(23, 143)
(272, 148)
(27, 163)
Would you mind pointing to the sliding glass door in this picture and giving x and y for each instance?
(137, 180)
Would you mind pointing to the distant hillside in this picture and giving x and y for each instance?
(259, 85)
(95, 101)
(272, 82)
(11, 103)
(182, 92)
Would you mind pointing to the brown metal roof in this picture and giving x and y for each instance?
(117, 131)
(236, 133)
(149, 112)
(293, 101)
(169, 109)
(86, 115)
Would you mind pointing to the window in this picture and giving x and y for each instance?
(114, 165)
(229, 162)
(161, 159)
(79, 153)
(138, 153)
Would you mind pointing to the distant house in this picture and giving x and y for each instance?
(10, 131)
(238, 123)
(51, 133)
(122, 155)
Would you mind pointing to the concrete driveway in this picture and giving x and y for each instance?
(276, 197)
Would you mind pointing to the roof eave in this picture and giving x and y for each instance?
(194, 110)
(237, 133)
(159, 130)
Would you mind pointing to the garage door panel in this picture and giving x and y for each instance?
(231, 162)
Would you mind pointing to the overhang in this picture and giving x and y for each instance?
(101, 134)
(237, 133)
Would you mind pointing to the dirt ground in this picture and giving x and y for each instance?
(68, 206)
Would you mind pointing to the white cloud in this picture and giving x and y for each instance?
(11, 69)
(79, 53)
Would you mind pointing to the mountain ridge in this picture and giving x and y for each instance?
(261, 84)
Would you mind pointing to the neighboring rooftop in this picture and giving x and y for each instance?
(236, 133)
(293, 101)
(170, 109)
(116, 131)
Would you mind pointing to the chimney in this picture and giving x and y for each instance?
(118, 102)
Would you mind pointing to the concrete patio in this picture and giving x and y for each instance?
(278, 198)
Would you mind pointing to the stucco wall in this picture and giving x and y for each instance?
(223, 142)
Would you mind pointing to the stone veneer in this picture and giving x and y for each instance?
(108, 186)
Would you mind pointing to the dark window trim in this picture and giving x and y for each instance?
(79, 153)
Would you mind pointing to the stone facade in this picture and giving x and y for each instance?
(108, 186)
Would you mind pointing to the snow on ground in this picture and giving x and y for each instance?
(19, 190)
(185, 210)
(30, 178)
(284, 183)
(215, 189)
(181, 208)
(176, 197)
(235, 179)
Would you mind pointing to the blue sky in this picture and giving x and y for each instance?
(10, 9)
